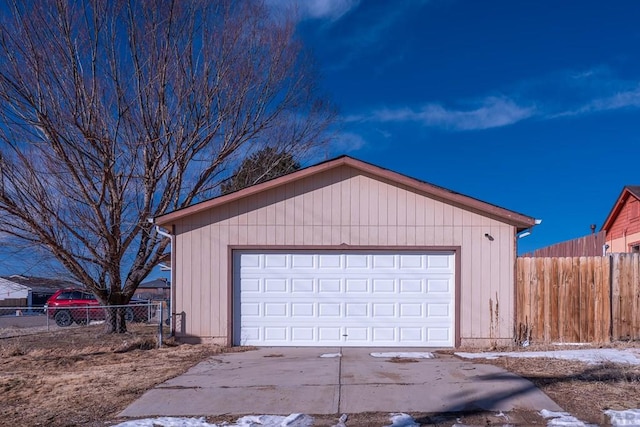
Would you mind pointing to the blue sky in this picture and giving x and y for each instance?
(530, 105)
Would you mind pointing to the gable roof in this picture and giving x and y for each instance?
(40, 284)
(13, 286)
(519, 220)
(155, 284)
(627, 191)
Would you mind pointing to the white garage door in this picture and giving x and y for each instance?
(344, 299)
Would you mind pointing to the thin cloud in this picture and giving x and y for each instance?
(565, 94)
(579, 93)
(346, 142)
(492, 112)
(372, 31)
(367, 35)
(331, 10)
(617, 101)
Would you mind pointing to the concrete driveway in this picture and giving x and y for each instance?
(298, 380)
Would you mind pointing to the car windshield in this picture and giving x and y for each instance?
(70, 295)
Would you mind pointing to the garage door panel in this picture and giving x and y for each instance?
(329, 261)
(275, 285)
(356, 285)
(275, 261)
(248, 261)
(439, 286)
(384, 310)
(411, 286)
(330, 334)
(302, 286)
(303, 334)
(329, 286)
(411, 262)
(303, 261)
(346, 299)
(358, 310)
(356, 261)
(409, 310)
(438, 334)
(439, 310)
(303, 309)
(384, 261)
(331, 310)
(384, 286)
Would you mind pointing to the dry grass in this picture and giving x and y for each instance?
(397, 359)
(81, 376)
(582, 389)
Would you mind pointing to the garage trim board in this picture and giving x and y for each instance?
(382, 298)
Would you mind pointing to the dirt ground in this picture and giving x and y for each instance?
(82, 377)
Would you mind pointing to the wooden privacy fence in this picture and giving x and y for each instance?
(590, 245)
(578, 299)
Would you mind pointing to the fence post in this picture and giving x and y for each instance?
(610, 258)
(160, 321)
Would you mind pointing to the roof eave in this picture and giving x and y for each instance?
(615, 210)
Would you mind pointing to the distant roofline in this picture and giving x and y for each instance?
(627, 190)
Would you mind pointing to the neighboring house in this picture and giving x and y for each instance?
(345, 253)
(40, 288)
(154, 290)
(622, 225)
(12, 294)
(619, 233)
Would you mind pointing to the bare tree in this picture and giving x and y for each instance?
(114, 111)
(263, 165)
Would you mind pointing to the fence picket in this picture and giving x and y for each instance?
(579, 299)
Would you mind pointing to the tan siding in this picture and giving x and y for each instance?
(466, 299)
(401, 208)
(338, 208)
(392, 204)
(363, 201)
(374, 203)
(621, 244)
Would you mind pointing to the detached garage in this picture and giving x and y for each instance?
(344, 253)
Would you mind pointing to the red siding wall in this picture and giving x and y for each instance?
(628, 220)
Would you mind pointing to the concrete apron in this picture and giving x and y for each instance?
(297, 380)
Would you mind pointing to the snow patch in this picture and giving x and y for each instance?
(630, 417)
(575, 344)
(562, 419)
(167, 422)
(405, 355)
(591, 356)
(402, 420)
(342, 421)
(331, 355)
(293, 420)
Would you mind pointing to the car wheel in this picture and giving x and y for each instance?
(63, 318)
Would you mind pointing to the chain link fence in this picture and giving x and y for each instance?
(21, 320)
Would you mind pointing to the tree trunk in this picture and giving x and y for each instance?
(115, 322)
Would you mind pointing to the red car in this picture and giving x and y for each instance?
(77, 305)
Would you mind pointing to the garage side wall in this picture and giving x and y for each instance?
(344, 207)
